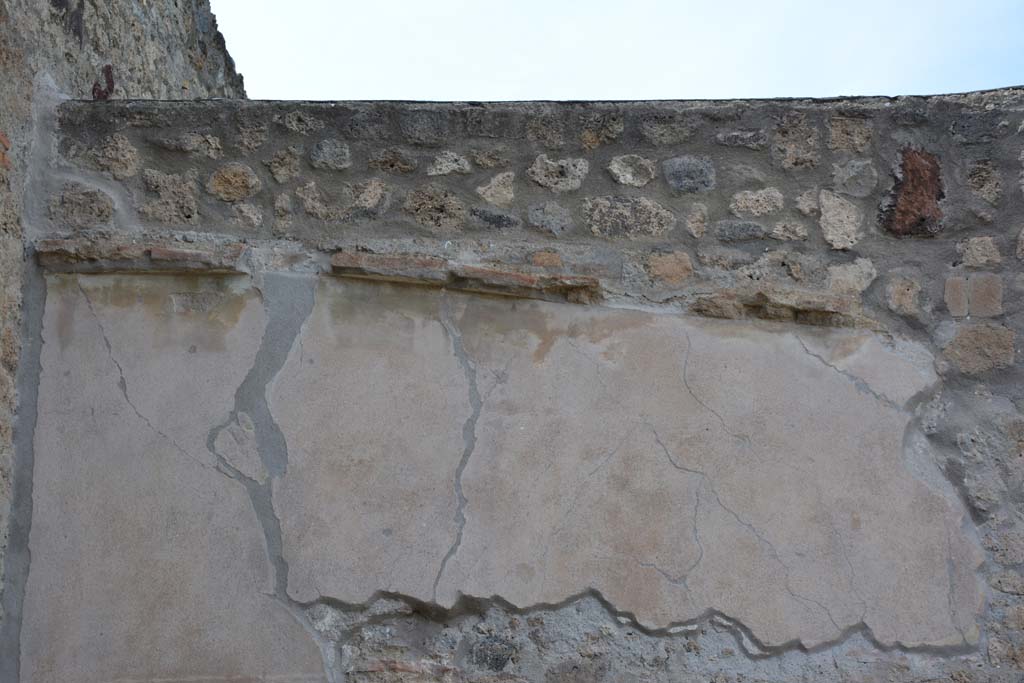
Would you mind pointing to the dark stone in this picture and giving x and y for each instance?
(492, 652)
(688, 174)
(912, 208)
(739, 231)
(495, 219)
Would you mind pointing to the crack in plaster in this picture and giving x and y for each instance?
(468, 430)
(122, 383)
(859, 383)
(742, 438)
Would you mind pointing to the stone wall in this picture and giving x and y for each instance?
(52, 49)
(709, 391)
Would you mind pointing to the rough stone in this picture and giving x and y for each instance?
(697, 220)
(689, 174)
(632, 169)
(668, 130)
(985, 294)
(979, 252)
(436, 209)
(849, 134)
(856, 178)
(248, 215)
(903, 296)
(193, 144)
(299, 122)
(840, 220)
(852, 278)
(564, 175)
(807, 203)
(117, 156)
(739, 231)
(788, 230)
(285, 164)
(393, 160)
(639, 404)
(233, 182)
(979, 348)
(984, 181)
(550, 217)
(671, 268)
(632, 217)
(330, 154)
(500, 190)
(795, 143)
(80, 206)
(1020, 245)
(176, 199)
(757, 202)
(447, 163)
(955, 296)
(491, 218)
(913, 207)
(600, 129)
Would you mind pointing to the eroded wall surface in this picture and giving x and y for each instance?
(670, 391)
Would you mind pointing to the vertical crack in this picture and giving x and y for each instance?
(743, 438)
(468, 430)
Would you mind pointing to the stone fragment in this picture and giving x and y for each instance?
(299, 122)
(670, 268)
(756, 202)
(330, 154)
(756, 139)
(491, 157)
(499, 190)
(689, 174)
(437, 209)
(697, 220)
(739, 231)
(176, 199)
(795, 143)
(668, 130)
(491, 218)
(248, 215)
(546, 131)
(902, 296)
(788, 230)
(427, 126)
(80, 206)
(564, 175)
(1007, 548)
(856, 178)
(317, 205)
(1011, 583)
(852, 278)
(727, 258)
(979, 252)
(599, 129)
(196, 144)
(371, 198)
(252, 134)
(849, 134)
(955, 296)
(117, 156)
(233, 182)
(631, 217)
(985, 295)
(550, 217)
(977, 348)
(807, 203)
(912, 207)
(393, 160)
(984, 181)
(840, 220)
(632, 169)
(285, 164)
(283, 205)
(447, 163)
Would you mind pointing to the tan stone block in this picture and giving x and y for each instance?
(670, 268)
(985, 295)
(955, 296)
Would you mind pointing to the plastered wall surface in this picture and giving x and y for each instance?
(53, 49)
(675, 391)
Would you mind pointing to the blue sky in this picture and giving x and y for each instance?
(640, 49)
